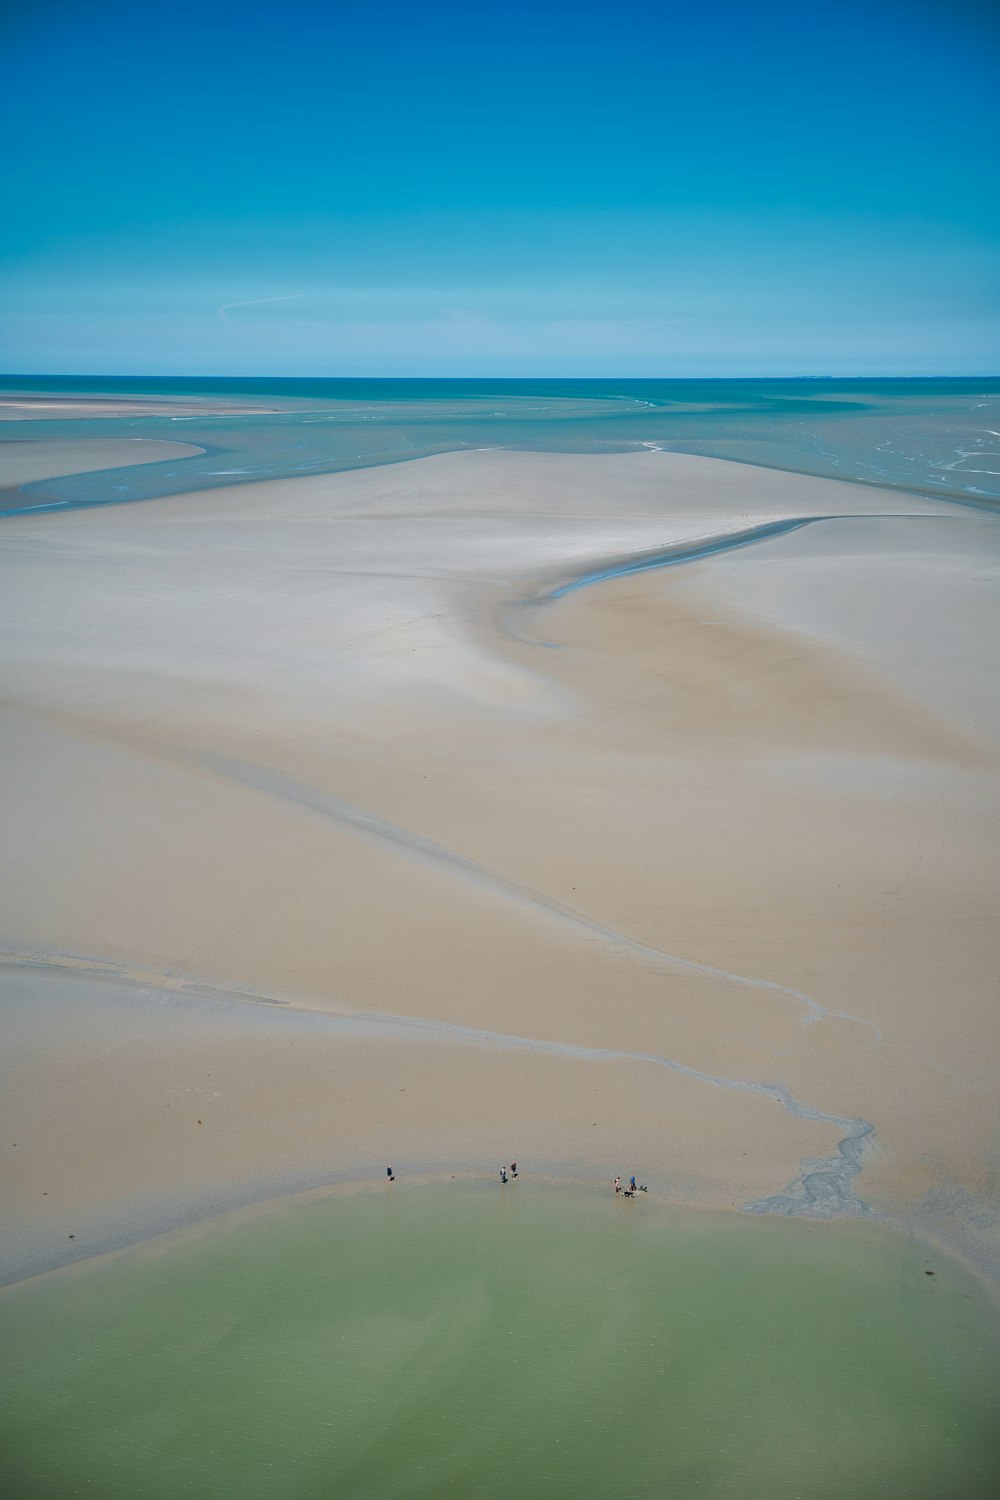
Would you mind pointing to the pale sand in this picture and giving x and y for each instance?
(313, 740)
(18, 407)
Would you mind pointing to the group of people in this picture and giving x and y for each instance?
(503, 1173)
(507, 1173)
(632, 1189)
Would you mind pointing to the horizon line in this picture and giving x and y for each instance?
(267, 375)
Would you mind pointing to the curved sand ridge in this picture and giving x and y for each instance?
(316, 767)
(29, 462)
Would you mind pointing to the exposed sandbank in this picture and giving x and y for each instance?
(304, 739)
(21, 407)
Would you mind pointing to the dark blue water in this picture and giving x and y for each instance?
(934, 437)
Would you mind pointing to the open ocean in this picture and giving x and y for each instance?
(935, 437)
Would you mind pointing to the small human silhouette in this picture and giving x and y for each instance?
(503, 1174)
(513, 1169)
(618, 1184)
(389, 1174)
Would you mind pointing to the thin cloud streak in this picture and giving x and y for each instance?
(253, 302)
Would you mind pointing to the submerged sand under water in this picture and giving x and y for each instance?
(467, 1339)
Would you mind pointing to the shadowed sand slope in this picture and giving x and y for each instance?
(693, 866)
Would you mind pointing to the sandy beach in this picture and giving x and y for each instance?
(20, 406)
(336, 834)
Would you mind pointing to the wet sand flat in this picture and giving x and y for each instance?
(693, 866)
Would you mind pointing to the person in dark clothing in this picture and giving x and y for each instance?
(388, 1173)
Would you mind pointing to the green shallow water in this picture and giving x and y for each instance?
(478, 1341)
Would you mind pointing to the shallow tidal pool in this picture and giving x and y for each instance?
(472, 1340)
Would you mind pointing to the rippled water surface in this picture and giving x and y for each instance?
(472, 1340)
(938, 437)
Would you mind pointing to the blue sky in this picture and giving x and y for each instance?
(545, 189)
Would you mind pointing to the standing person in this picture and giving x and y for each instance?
(503, 1174)
(388, 1173)
(618, 1184)
(513, 1169)
(631, 1182)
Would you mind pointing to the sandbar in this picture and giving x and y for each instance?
(21, 407)
(27, 462)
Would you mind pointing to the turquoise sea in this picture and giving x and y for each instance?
(468, 1341)
(937, 437)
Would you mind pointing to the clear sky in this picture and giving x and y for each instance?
(500, 189)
